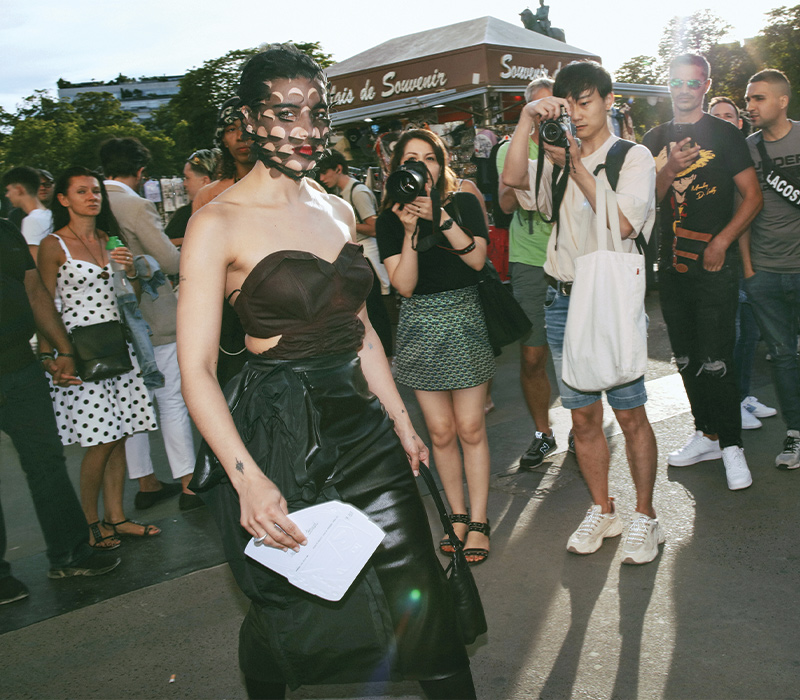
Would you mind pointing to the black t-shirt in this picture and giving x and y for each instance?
(16, 317)
(176, 228)
(701, 198)
(439, 269)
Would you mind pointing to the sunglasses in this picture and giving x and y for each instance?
(692, 84)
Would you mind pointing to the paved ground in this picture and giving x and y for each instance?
(714, 617)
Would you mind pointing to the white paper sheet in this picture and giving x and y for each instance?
(341, 539)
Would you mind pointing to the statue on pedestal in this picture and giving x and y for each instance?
(540, 22)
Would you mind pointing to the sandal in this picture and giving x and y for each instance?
(112, 540)
(483, 554)
(446, 546)
(149, 530)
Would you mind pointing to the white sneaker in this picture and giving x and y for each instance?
(736, 470)
(749, 420)
(640, 545)
(596, 526)
(698, 449)
(790, 457)
(758, 409)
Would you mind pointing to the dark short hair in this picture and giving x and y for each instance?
(278, 61)
(691, 59)
(105, 220)
(330, 159)
(23, 175)
(577, 77)
(204, 162)
(773, 77)
(123, 157)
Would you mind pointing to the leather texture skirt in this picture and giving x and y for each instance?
(318, 432)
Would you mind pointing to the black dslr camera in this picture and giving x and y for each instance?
(407, 183)
(554, 131)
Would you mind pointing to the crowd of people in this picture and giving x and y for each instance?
(277, 343)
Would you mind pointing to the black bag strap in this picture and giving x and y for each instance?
(427, 477)
(615, 158)
(776, 178)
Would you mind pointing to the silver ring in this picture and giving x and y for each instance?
(259, 540)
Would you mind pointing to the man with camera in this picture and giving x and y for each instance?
(528, 235)
(582, 96)
(703, 163)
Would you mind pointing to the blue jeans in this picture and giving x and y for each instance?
(776, 300)
(747, 337)
(620, 398)
(26, 414)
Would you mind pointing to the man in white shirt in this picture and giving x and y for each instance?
(22, 187)
(583, 90)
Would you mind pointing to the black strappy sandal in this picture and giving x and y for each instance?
(446, 546)
(149, 530)
(484, 529)
(99, 537)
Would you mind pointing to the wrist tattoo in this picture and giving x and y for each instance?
(239, 466)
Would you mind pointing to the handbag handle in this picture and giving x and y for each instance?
(427, 477)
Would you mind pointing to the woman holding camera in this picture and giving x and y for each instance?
(433, 247)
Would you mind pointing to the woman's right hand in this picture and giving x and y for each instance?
(264, 514)
(407, 217)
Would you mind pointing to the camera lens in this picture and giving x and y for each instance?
(551, 132)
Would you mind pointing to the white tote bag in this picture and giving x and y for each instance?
(605, 341)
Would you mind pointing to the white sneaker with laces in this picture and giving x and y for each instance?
(758, 409)
(596, 526)
(790, 457)
(749, 420)
(698, 449)
(640, 545)
(736, 470)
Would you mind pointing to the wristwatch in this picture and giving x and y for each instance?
(446, 225)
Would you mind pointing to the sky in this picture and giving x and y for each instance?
(79, 40)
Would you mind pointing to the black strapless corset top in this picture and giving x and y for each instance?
(310, 302)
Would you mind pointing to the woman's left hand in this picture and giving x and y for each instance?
(124, 257)
(422, 207)
(416, 451)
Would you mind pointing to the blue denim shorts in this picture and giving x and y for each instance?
(621, 398)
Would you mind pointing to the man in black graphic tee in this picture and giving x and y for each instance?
(701, 163)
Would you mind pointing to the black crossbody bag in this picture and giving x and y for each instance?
(778, 180)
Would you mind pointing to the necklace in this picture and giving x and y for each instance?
(104, 274)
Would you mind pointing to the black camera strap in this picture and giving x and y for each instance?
(557, 186)
(436, 237)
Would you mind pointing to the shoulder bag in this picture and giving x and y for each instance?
(100, 351)
(605, 341)
(466, 598)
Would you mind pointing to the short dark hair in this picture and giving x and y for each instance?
(773, 76)
(577, 77)
(123, 157)
(105, 220)
(691, 59)
(278, 61)
(330, 159)
(23, 175)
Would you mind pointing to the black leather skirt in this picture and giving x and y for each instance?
(318, 432)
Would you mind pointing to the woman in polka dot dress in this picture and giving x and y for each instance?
(75, 267)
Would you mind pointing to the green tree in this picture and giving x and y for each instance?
(731, 67)
(639, 69)
(777, 46)
(696, 33)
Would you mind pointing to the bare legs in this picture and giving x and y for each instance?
(453, 417)
(536, 385)
(591, 449)
(105, 465)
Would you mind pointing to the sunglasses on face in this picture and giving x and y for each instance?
(692, 84)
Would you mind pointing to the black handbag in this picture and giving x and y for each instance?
(506, 320)
(467, 599)
(100, 351)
